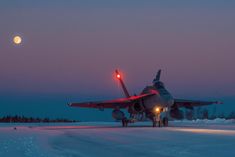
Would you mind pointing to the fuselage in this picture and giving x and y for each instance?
(162, 99)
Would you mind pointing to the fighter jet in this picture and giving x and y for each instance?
(154, 103)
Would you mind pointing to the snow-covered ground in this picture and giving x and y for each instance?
(198, 138)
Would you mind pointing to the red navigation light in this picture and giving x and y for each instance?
(118, 76)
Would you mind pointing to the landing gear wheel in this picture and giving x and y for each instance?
(124, 123)
(165, 121)
(154, 123)
(159, 124)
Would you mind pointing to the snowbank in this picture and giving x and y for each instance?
(207, 121)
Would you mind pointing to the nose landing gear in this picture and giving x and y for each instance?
(124, 122)
(156, 121)
(160, 122)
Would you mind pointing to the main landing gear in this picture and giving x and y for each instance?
(124, 122)
(165, 121)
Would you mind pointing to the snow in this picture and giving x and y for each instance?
(93, 139)
(214, 121)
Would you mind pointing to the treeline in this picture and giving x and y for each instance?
(23, 119)
(204, 113)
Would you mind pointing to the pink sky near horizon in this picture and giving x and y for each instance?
(74, 48)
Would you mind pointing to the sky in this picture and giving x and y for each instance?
(70, 50)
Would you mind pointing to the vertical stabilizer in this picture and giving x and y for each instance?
(158, 76)
(119, 77)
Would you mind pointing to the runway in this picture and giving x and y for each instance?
(88, 139)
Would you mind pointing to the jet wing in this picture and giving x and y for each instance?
(192, 103)
(117, 103)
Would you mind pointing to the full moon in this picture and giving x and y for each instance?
(17, 40)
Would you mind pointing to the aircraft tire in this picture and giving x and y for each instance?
(165, 121)
(124, 123)
(154, 124)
